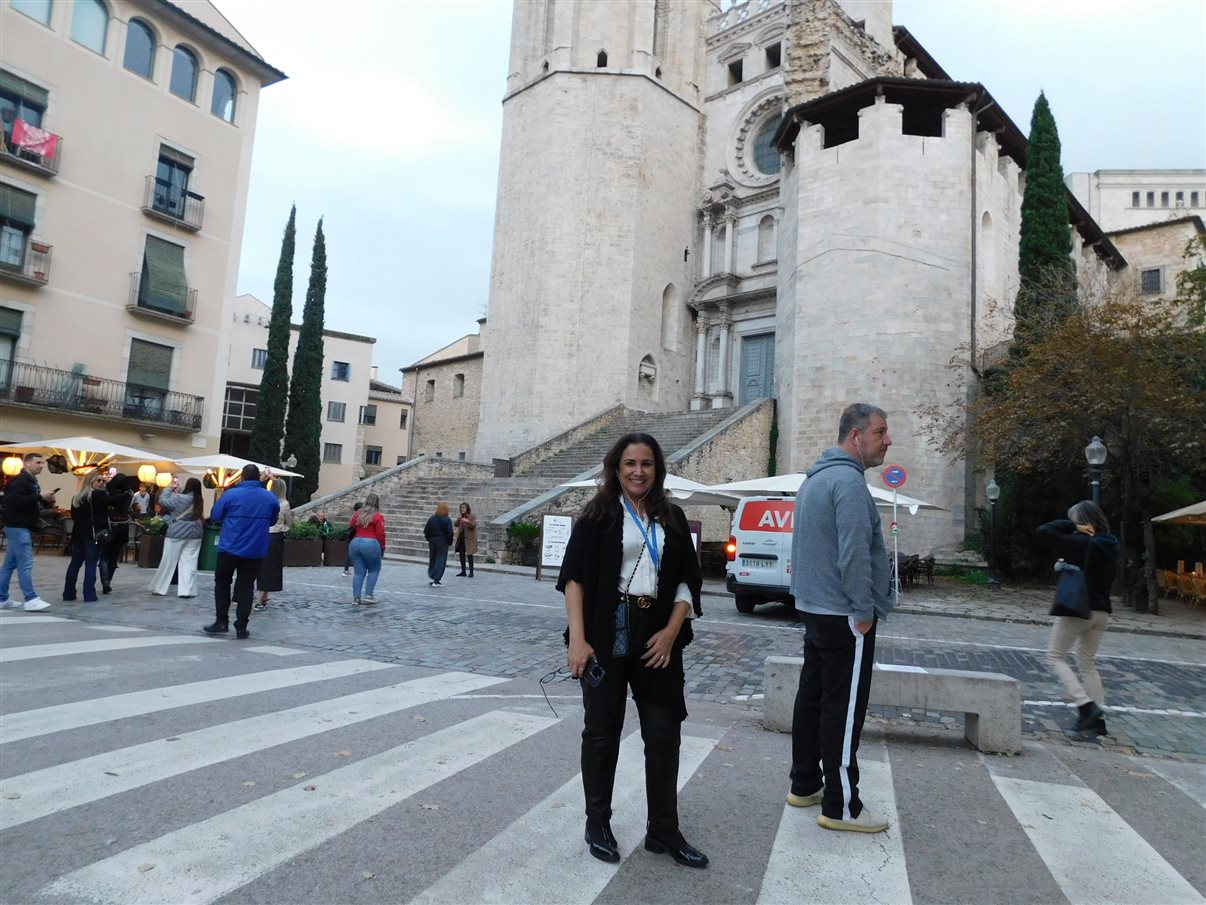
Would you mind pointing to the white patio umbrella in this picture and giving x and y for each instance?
(226, 470)
(1193, 514)
(83, 454)
(789, 485)
(690, 493)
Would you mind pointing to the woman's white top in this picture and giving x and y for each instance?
(644, 581)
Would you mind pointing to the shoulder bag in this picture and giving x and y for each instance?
(1072, 589)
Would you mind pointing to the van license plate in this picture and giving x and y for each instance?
(751, 563)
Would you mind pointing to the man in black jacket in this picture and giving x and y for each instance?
(23, 504)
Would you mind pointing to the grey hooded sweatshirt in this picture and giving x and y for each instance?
(839, 563)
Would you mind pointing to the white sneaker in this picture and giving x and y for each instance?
(37, 603)
(368, 598)
(865, 822)
(805, 801)
(10, 604)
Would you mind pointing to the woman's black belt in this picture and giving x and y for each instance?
(640, 601)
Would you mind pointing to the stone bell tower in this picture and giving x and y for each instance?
(598, 178)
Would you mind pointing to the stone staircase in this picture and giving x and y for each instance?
(408, 507)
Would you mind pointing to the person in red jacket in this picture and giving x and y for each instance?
(366, 548)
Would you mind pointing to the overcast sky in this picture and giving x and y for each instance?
(389, 123)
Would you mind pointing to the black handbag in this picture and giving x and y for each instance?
(1072, 589)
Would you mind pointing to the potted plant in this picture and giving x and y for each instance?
(303, 545)
(335, 546)
(521, 543)
(150, 542)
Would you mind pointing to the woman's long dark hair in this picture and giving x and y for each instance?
(193, 486)
(605, 505)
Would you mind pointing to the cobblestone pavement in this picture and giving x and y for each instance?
(504, 623)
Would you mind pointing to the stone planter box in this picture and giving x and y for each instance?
(303, 552)
(150, 551)
(334, 552)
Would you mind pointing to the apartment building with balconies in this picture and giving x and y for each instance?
(128, 128)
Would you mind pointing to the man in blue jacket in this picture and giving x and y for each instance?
(839, 578)
(247, 510)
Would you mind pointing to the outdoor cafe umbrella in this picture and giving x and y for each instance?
(789, 485)
(83, 454)
(226, 470)
(687, 492)
(1194, 514)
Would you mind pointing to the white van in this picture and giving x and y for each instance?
(758, 554)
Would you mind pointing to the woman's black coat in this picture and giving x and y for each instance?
(1101, 565)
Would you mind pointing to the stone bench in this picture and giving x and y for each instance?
(991, 703)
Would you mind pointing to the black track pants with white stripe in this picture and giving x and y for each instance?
(830, 706)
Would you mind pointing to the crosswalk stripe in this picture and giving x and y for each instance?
(210, 859)
(29, 620)
(70, 648)
(812, 864)
(1190, 778)
(53, 789)
(43, 721)
(1091, 851)
(536, 850)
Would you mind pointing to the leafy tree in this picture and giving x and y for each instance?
(304, 428)
(269, 427)
(1047, 277)
(1191, 282)
(1126, 369)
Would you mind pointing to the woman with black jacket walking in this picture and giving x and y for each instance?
(89, 532)
(1083, 540)
(632, 583)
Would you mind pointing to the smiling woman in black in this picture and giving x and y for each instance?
(631, 581)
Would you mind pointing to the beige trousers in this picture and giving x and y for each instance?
(1087, 634)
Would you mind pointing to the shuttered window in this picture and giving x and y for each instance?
(17, 208)
(24, 90)
(162, 286)
(150, 365)
(10, 322)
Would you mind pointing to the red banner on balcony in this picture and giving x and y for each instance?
(31, 138)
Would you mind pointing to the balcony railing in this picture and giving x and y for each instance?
(174, 204)
(31, 266)
(32, 148)
(180, 308)
(49, 388)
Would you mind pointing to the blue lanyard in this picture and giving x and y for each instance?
(650, 545)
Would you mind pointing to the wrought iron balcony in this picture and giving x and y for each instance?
(32, 148)
(179, 305)
(170, 202)
(31, 266)
(49, 388)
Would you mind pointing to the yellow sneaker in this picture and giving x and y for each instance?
(865, 822)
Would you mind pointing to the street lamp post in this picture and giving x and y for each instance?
(1095, 455)
(993, 491)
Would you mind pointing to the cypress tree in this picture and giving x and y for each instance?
(303, 430)
(269, 426)
(1047, 277)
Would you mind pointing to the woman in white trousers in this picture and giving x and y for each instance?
(182, 544)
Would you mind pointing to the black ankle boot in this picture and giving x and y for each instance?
(1090, 714)
(602, 843)
(677, 847)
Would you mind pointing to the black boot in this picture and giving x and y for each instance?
(218, 628)
(1090, 714)
(678, 848)
(602, 843)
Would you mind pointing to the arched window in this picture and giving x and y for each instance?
(766, 239)
(140, 49)
(766, 156)
(647, 378)
(224, 96)
(184, 73)
(89, 24)
(35, 9)
(670, 318)
(601, 59)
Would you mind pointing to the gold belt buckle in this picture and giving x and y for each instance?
(644, 603)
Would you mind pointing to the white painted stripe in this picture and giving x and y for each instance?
(208, 860)
(30, 620)
(78, 782)
(1090, 850)
(542, 857)
(848, 727)
(811, 864)
(274, 651)
(30, 723)
(1122, 709)
(1190, 778)
(71, 648)
(113, 628)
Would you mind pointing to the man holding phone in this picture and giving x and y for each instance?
(24, 501)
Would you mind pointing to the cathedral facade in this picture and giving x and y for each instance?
(699, 207)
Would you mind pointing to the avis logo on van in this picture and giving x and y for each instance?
(768, 515)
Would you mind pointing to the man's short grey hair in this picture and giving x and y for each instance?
(857, 416)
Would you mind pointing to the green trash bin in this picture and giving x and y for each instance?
(207, 560)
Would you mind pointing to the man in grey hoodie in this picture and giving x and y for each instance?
(840, 583)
